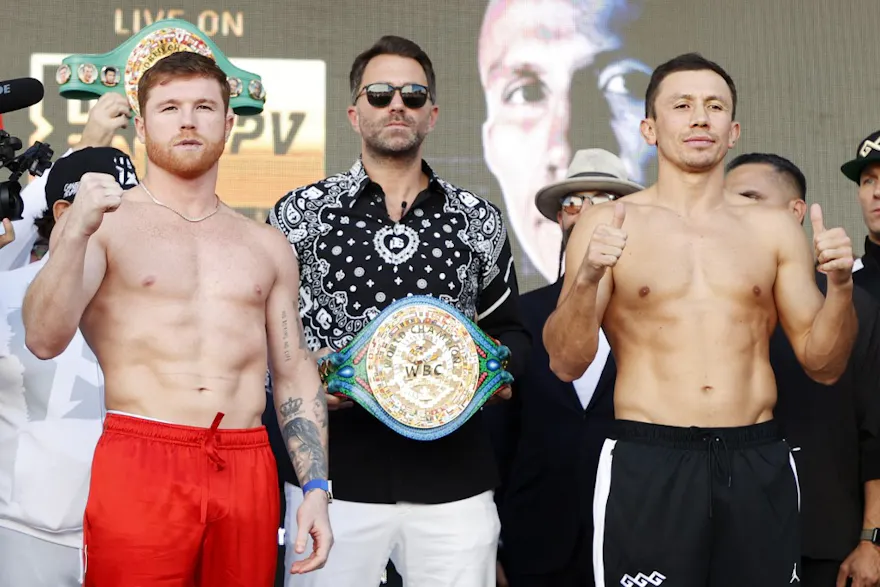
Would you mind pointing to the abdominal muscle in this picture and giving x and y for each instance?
(180, 362)
(689, 367)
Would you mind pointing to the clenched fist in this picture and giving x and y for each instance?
(606, 246)
(98, 194)
(833, 249)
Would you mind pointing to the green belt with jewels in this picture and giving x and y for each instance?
(88, 77)
(421, 367)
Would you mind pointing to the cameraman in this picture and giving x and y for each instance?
(109, 115)
(51, 412)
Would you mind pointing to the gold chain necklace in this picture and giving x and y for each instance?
(187, 218)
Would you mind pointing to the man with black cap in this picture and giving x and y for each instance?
(864, 562)
(109, 114)
(553, 430)
(864, 170)
(63, 183)
(50, 411)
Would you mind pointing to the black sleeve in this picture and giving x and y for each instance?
(499, 315)
(866, 395)
(504, 422)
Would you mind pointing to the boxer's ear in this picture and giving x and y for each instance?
(354, 119)
(59, 208)
(140, 128)
(230, 122)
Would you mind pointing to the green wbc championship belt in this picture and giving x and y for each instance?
(87, 77)
(420, 367)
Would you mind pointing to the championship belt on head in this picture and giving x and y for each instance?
(421, 367)
(87, 77)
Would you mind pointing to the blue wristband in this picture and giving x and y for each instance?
(317, 484)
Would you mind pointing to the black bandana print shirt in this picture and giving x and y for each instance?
(354, 261)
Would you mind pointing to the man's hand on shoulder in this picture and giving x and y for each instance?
(833, 250)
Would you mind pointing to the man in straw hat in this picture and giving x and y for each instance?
(184, 301)
(595, 176)
(696, 485)
(554, 430)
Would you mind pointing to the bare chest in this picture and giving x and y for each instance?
(198, 262)
(677, 261)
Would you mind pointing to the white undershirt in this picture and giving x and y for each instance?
(586, 385)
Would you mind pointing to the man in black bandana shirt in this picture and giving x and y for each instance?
(386, 229)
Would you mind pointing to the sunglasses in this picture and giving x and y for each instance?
(380, 94)
(574, 203)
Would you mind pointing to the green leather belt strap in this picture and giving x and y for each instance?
(87, 77)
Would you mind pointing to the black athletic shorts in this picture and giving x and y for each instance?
(696, 507)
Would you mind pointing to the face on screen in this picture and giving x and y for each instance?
(536, 58)
(393, 130)
(184, 125)
(693, 125)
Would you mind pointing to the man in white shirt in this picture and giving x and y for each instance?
(553, 431)
(50, 411)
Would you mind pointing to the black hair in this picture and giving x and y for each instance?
(686, 62)
(392, 45)
(778, 163)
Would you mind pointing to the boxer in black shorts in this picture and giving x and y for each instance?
(696, 487)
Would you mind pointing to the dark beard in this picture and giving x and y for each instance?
(381, 149)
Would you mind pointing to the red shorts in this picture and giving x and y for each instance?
(179, 506)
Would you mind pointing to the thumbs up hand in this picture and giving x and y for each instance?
(833, 249)
(606, 245)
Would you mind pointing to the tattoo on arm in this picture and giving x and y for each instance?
(285, 335)
(303, 441)
(303, 436)
(290, 407)
(320, 407)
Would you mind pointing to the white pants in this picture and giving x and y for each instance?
(443, 545)
(31, 562)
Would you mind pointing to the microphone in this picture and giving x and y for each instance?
(16, 94)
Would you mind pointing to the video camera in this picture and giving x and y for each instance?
(15, 95)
